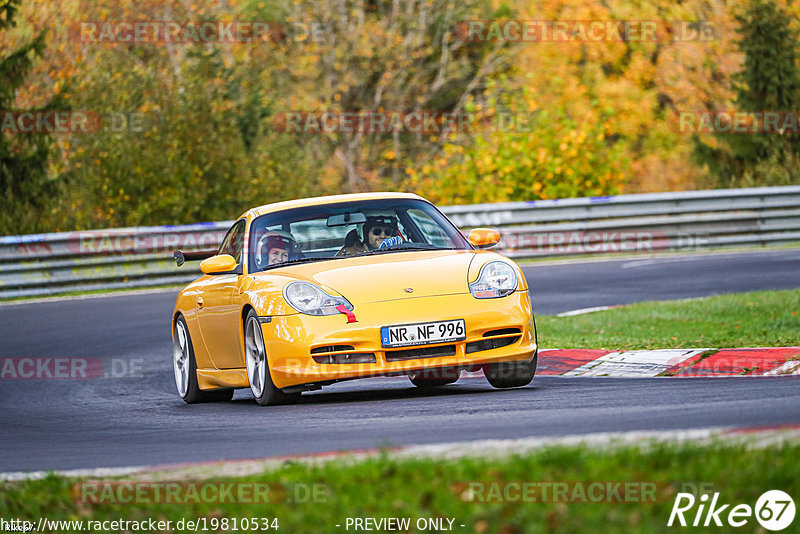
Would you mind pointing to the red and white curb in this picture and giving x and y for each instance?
(495, 448)
(634, 363)
(680, 363)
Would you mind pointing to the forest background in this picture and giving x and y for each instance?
(198, 131)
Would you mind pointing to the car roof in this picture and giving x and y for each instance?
(332, 199)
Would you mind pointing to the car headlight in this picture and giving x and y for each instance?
(496, 279)
(307, 298)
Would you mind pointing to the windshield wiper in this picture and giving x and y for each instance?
(300, 260)
(403, 247)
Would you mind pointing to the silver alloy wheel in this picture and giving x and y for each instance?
(180, 358)
(255, 356)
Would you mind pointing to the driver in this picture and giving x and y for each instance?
(273, 248)
(378, 228)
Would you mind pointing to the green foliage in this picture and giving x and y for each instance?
(200, 149)
(521, 152)
(208, 147)
(597, 115)
(770, 81)
(377, 58)
(24, 182)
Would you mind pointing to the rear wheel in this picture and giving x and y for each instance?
(511, 374)
(185, 368)
(258, 374)
(431, 378)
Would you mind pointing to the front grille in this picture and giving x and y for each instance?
(424, 352)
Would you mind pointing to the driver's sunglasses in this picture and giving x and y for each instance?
(378, 231)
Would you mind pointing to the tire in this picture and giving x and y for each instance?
(511, 374)
(184, 366)
(258, 375)
(431, 378)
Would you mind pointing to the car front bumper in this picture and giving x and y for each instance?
(291, 339)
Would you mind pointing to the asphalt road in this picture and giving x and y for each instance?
(104, 422)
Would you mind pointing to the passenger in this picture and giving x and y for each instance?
(274, 248)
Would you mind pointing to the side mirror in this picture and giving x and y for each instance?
(483, 237)
(224, 263)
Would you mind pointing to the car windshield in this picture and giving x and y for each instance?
(347, 229)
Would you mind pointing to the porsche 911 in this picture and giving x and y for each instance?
(306, 293)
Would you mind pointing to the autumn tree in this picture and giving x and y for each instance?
(586, 117)
(374, 57)
(769, 82)
(520, 150)
(24, 181)
(189, 117)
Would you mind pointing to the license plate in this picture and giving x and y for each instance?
(423, 333)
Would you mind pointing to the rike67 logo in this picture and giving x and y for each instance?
(774, 510)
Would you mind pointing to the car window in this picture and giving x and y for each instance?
(323, 232)
(233, 242)
(431, 231)
(314, 235)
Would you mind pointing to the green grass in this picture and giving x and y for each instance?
(383, 487)
(757, 319)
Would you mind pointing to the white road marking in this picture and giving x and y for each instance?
(582, 311)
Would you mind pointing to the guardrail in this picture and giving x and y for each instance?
(44, 264)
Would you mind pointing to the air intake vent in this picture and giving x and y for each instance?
(492, 343)
(347, 357)
(331, 348)
(502, 332)
(426, 352)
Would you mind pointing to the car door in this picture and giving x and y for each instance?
(218, 306)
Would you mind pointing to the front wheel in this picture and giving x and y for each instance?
(258, 374)
(185, 368)
(511, 374)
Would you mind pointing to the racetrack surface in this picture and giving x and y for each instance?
(104, 422)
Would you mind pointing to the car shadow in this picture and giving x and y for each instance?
(377, 394)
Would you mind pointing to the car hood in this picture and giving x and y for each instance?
(389, 276)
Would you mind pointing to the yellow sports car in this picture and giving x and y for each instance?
(305, 293)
